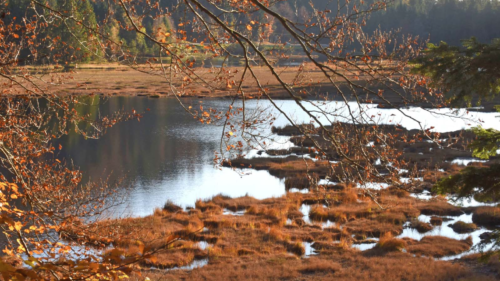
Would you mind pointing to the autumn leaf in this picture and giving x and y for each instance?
(18, 226)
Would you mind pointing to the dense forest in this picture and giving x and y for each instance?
(436, 20)
(442, 20)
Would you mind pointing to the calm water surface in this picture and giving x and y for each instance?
(168, 155)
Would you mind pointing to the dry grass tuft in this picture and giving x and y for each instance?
(342, 213)
(158, 212)
(316, 265)
(302, 181)
(436, 221)
(400, 193)
(439, 207)
(297, 248)
(349, 196)
(462, 227)
(234, 204)
(208, 207)
(245, 252)
(171, 207)
(372, 228)
(439, 246)
(253, 210)
(388, 243)
(489, 216)
(421, 226)
(392, 217)
(318, 213)
(275, 234)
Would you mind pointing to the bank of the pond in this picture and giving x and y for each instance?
(283, 228)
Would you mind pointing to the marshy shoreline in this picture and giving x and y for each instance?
(325, 231)
(319, 231)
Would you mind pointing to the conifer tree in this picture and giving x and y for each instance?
(468, 75)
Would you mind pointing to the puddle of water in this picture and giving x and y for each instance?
(374, 185)
(425, 195)
(444, 229)
(410, 180)
(203, 245)
(466, 161)
(364, 247)
(473, 250)
(195, 264)
(305, 209)
(296, 190)
(468, 202)
(325, 182)
(309, 249)
(231, 213)
(463, 202)
(328, 224)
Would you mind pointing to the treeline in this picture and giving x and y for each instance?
(442, 20)
(77, 29)
(438, 20)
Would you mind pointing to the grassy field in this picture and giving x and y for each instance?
(117, 79)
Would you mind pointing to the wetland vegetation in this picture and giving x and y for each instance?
(249, 140)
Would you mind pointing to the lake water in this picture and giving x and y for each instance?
(168, 155)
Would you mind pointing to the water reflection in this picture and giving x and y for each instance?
(168, 155)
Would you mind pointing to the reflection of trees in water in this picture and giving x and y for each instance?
(138, 151)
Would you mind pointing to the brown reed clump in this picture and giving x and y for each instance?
(388, 243)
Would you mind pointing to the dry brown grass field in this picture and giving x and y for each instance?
(265, 240)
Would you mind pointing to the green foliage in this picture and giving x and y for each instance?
(76, 38)
(468, 73)
(481, 183)
(464, 73)
(486, 144)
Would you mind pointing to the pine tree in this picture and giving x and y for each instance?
(469, 73)
(79, 44)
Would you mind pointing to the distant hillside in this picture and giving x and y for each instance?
(439, 20)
